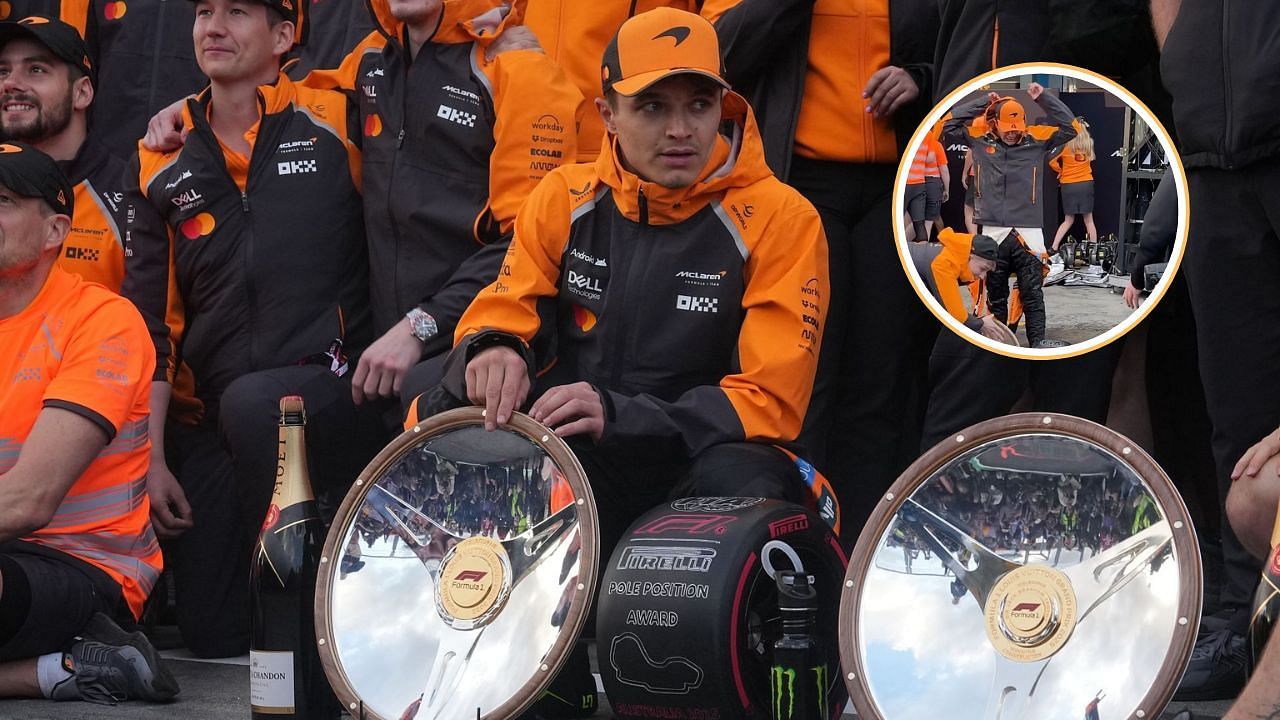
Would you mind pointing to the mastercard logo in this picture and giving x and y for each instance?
(991, 150)
(372, 126)
(584, 318)
(5, 10)
(114, 10)
(198, 226)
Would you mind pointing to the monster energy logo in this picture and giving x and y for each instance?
(784, 690)
(783, 681)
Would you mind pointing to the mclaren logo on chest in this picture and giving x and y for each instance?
(296, 167)
(465, 119)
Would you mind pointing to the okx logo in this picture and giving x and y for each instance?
(296, 167)
(465, 119)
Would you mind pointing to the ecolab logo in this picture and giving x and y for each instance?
(464, 119)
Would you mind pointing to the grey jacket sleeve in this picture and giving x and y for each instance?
(1061, 116)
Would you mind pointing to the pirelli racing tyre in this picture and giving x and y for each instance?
(688, 610)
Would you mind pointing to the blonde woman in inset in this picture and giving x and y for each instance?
(1074, 166)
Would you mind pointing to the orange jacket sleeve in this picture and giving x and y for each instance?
(344, 76)
(536, 129)
(785, 305)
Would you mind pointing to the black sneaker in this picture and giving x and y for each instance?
(112, 665)
(1218, 668)
(572, 693)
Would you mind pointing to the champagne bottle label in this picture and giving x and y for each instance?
(271, 681)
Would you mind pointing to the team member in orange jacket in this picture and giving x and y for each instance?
(263, 235)
(675, 238)
(462, 115)
(1074, 166)
(76, 544)
(956, 259)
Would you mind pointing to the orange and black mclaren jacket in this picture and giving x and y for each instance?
(696, 313)
(268, 276)
(94, 249)
(453, 144)
(944, 267)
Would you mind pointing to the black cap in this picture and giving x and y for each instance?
(62, 40)
(984, 247)
(30, 173)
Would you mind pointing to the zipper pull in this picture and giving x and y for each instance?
(400, 139)
(244, 200)
(644, 207)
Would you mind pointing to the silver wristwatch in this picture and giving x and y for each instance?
(421, 324)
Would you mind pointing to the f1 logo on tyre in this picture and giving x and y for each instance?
(687, 525)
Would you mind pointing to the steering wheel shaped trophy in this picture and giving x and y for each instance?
(458, 572)
(1034, 566)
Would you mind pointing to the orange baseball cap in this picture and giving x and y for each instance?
(656, 44)
(1010, 116)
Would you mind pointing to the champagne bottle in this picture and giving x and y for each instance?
(1266, 601)
(799, 679)
(286, 677)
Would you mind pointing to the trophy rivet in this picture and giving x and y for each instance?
(1126, 451)
(1177, 525)
(353, 706)
(543, 668)
(888, 496)
(359, 482)
(959, 438)
(1048, 421)
(417, 429)
(1141, 713)
(484, 413)
(323, 559)
(848, 583)
(320, 641)
(546, 438)
(581, 501)
(853, 676)
(1182, 621)
(582, 586)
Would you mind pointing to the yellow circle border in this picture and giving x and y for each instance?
(1175, 165)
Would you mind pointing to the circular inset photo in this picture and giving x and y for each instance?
(1041, 211)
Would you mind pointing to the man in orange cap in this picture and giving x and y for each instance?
(685, 286)
(1009, 157)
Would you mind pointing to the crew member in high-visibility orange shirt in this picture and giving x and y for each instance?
(1074, 166)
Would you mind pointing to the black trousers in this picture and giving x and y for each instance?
(625, 489)
(227, 468)
(1014, 259)
(863, 425)
(1233, 274)
(969, 384)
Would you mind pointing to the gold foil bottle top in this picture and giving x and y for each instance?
(292, 411)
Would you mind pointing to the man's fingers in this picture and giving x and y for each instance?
(874, 81)
(909, 93)
(883, 90)
(572, 408)
(493, 398)
(549, 401)
(357, 380)
(386, 382)
(514, 388)
(473, 386)
(577, 427)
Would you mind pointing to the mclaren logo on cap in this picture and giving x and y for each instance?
(62, 197)
(679, 33)
(33, 20)
(7, 148)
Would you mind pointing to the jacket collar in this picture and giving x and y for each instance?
(91, 156)
(736, 161)
(461, 21)
(272, 99)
